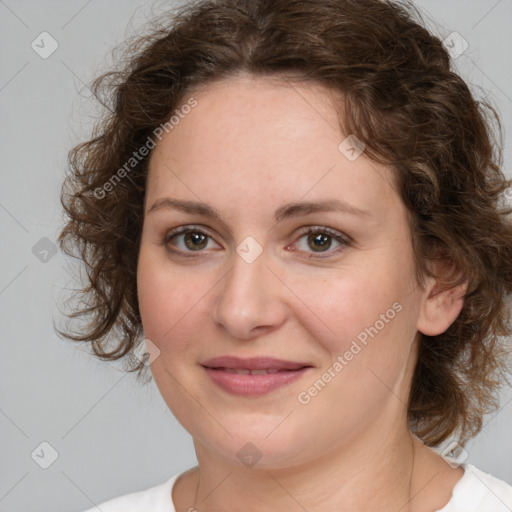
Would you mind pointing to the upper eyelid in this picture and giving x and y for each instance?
(322, 229)
(302, 230)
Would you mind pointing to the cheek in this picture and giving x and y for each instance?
(352, 304)
(166, 299)
(173, 312)
(367, 337)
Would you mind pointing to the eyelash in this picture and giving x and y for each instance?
(344, 241)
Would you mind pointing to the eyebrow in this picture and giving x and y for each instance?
(284, 212)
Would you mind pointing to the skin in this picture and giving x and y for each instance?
(250, 146)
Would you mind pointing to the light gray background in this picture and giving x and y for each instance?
(111, 435)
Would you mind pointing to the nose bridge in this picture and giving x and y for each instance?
(249, 298)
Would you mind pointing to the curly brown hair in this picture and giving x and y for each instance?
(403, 100)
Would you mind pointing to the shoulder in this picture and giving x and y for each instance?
(154, 499)
(480, 492)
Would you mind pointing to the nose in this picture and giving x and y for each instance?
(250, 301)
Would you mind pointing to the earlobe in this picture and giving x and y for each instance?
(440, 308)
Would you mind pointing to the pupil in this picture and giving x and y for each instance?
(195, 240)
(319, 241)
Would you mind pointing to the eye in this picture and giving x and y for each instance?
(321, 240)
(313, 240)
(188, 239)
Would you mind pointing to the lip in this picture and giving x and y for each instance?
(222, 372)
(253, 363)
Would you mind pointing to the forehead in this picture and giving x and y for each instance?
(265, 137)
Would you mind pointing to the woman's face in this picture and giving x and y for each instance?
(264, 238)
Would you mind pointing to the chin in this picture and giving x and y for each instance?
(255, 442)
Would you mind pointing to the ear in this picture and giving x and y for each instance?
(441, 303)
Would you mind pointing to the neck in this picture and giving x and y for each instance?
(375, 471)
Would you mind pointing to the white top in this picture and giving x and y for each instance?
(476, 491)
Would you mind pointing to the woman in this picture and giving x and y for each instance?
(298, 207)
